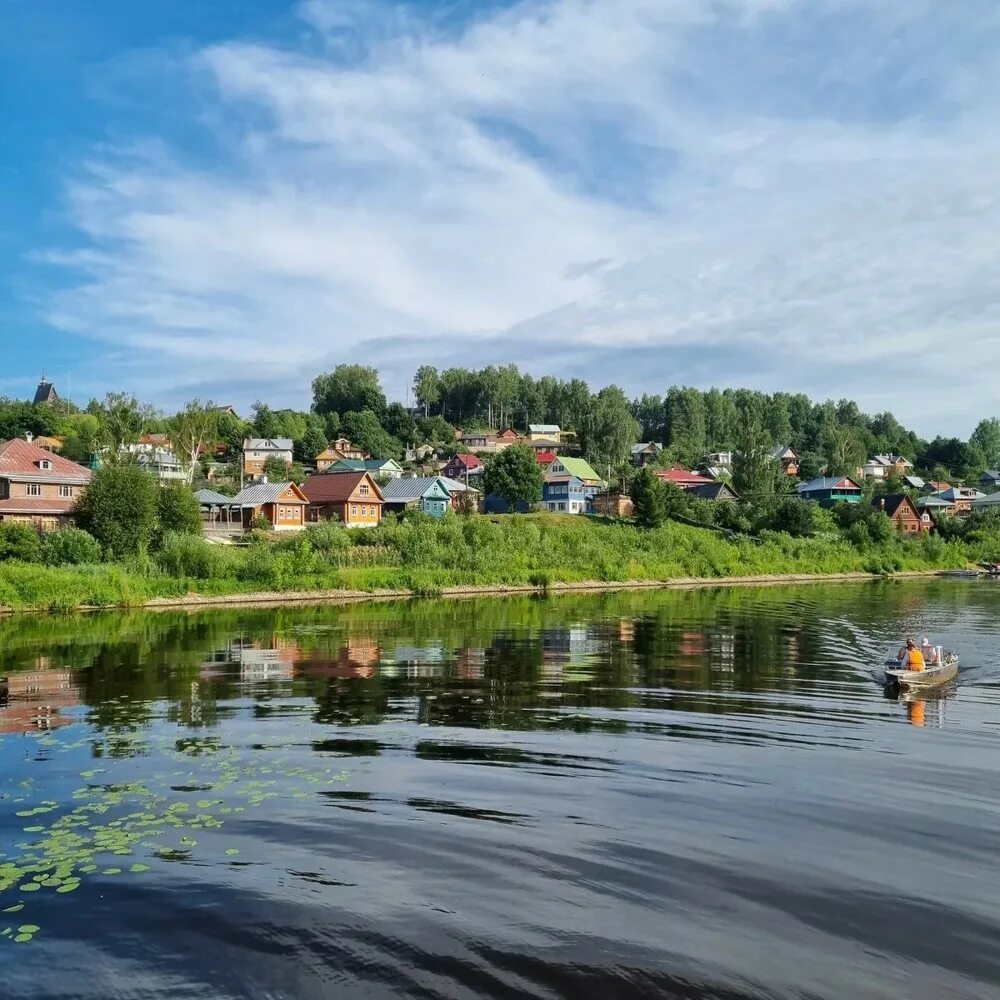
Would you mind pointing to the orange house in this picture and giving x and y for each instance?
(336, 451)
(353, 498)
(903, 513)
(283, 504)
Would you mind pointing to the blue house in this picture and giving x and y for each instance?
(426, 493)
(830, 490)
(567, 495)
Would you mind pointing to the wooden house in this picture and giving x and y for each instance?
(990, 479)
(789, 459)
(38, 487)
(579, 467)
(283, 504)
(830, 490)
(426, 493)
(256, 452)
(645, 453)
(462, 465)
(387, 467)
(903, 513)
(549, 433)
(353, 498)
(506, 438)
(884, 466)
(720, 492)
(683, 478)
(338, 450)
(961, 499)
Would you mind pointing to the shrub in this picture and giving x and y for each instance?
(19, 541)
(119, 509)
(188, 555)
(328, 536)
(260, 523)
(177, 510)
(71, 547)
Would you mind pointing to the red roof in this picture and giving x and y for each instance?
(20, 459)
(545, 457)
(338, 487)
(37, 505)
(469, 461)
(681, 477)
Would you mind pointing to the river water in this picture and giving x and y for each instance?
(676, 794)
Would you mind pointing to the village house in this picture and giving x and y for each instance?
(645, 453)
(934, 505)
(545, 458)
(421, 453)
(506, 438)
(991, 502)
(462, 493)
(961, 499)
(788, 457)
(565, 495)
(50, 442)
(256, 451)
(563, 465)
(337, 451)
(464, 465)
(914, 483)
(544, 432)
(45, 394)
(830, 490)
(38, 487)
(426, 493)
(478, 440)
(353, 498)
(903, 513)
(613, 503)
(716, 492)
(163, 465)
(884, 466)
(937, 485)
(990, 479)
(387, 467)
(283, 504)
(682, 478)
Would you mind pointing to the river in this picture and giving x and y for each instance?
(674, 794)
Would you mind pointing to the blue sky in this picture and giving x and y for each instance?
(221, 199)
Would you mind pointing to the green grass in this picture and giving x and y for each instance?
(425, 556)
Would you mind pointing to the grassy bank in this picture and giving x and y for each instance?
(423, 556)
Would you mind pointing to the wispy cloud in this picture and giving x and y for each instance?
(794, 194)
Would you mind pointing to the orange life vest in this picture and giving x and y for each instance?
(915, 660)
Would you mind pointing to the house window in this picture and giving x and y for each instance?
(33, 490)
(354, 510)
(44, 464)
(65, 491)
(365, 491)
(562, 506)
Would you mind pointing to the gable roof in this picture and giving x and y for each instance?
(992, 500)
(829, 483)
(365, 464)
(543, 428)
(990, 475)
(681, 477)
(545, 457)
(638, 449)
(410, 488)
(337, 487)
(469, 461)
(267, 444)
(783, 451)
(961, 493)
(578, 467)
(261, 493)
(45, 393)
(19, 459)
(892, 502)
(914, 482)
(210, 498)
(714, 491)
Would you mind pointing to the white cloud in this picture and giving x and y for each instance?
(795, 194)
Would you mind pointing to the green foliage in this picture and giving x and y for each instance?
(276, 469)
(755, 469)
(514, 475)
(186, 555)
(71, 547)
(119, 509)
(349, 389)
(19, 541)
(649, 503)
(328, 536)
(365, 431)
(177, 510)
(608, 429)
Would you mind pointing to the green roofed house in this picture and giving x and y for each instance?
(388, 467)
(828, 490)
(427, 493)
(579, 467)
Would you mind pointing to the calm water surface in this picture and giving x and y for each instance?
(692, 795)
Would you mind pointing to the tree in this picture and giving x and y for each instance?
(843, 449)
(177, 510)
(232, 432)
(722, 422)
(608, 429)
(365, 431)
(514, 475)
(119, 508)
(427, 387)
(276, 469)
(399, 423)
(685, 409)
(191, 431)
(71, 547)
(348, 388)
(755, 469)
(649, 412)
(265, 421)
(82, 439)
(123, 420)
(649, 504)
(312, 443)
(19, 541)
(986, 437)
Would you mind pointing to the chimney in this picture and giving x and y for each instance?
(263, 478)
(28, 436)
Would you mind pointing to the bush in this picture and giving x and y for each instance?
(71, 547)
(177, 510)
(19, 541)
(328, 536)
(188, 555)
(260, 523)
(119, 509)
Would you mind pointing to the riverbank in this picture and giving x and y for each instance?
(457, 557)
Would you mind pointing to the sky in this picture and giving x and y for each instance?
(222, 199)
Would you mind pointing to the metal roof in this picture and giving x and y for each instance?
(411, 488)
(993, 500)
(825, 483)
(210, 498)
(543, 428)
(260, 493)
(267, 444)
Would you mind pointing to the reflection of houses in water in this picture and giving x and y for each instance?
(31, 702)
(471, 663)
(722, 651)
(575, 646)
(415, 661)
(691, 650)
(626, 631)
(256, 661)
(358, 658)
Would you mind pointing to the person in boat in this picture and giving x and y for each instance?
(930, 652)
(910, 657)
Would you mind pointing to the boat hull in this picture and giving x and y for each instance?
(910, 680)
